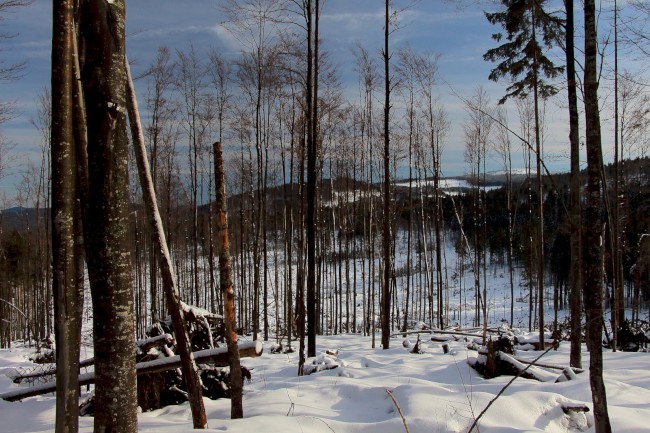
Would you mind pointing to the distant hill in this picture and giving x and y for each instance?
(21, 218)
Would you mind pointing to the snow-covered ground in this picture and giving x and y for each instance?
(435, 392)
(451, 186)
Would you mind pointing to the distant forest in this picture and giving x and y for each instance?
(349, 228)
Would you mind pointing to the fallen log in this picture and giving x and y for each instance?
(445, 332)
(217, 356)
(492, 363)
(18, 378)
(568, 408)
(142, 346)
(549, 366)
(149, 343)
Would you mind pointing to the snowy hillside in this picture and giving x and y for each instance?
(435, 392)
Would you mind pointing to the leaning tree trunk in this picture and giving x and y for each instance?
(68, 293)
(106, 222)
(188, 366)
(593, 256)
(225, 283)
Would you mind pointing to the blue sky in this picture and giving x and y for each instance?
(460, 35)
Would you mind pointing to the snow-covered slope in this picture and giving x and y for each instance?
(436, 392)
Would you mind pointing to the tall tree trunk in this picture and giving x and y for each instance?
(593, 256)
(618, 312)
(300, 272)
(387, 267)
(188, 366)
(106, 221)
(411, 126)
(225, 283)
(310, 218)
(68, 291)
(540, 189)
(575, 276)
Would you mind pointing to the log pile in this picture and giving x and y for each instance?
(498, 359)
(160, 381)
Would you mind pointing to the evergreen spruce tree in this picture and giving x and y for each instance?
(530, 31)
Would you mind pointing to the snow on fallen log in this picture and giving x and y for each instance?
(142, 346)
(449, 334)
(492, 363)
(199, 313)
(217, 356)
(147, 344)
(569, 407)
(517, 367)
(549, 366)
(325, 361)
(46, 388)
(567, 374)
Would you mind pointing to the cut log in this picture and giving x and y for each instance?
(142, 346)
(217, 356)
(549, 366)
(447, 332)
(492, 363)
(568, 408)
(157, 341)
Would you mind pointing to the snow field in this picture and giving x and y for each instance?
(436, 392)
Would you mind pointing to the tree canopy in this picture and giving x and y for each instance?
(529, 32)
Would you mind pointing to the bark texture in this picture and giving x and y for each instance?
(575, 276)
(225, 283)
(385, 288)
(106, 220)
(593, 255)
(310, 218)
(68, 292)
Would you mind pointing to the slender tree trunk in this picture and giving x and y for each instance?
(593, 257)
(225, 282)
(106, 221)
(68, 292)
(310, 218)
(540, 190)
(385, 296)
(511, 223)
(300, 274)
(411, 126)
(575, 276)
(618, 312)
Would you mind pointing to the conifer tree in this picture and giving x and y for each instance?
(529, 32)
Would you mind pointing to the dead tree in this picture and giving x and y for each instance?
(190, 370)
(225, 283)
